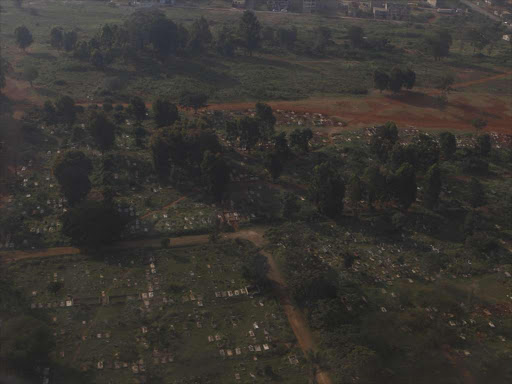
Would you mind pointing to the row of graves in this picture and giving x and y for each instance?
(174, 314)
(396, 269)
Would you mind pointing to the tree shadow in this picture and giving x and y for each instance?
(43, 56)
(416, 99)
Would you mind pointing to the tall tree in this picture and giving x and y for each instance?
(164, 113)
(396, 80)
(432, 186)
(163, 35)
(225, 43)
(23, 37)
(356, 36)
(300, 138)
(380, 80)
(476, 193)
(479, 123)
(30, 73)
(448, 144)
(101, 129)
(403, 184)
(193, 100)
(409, 78)
(267, 120)
(92, 224)
(137, 109)
(26, 343)
(72, 169)
(249, 131)
(57, 37)
(483, 144)
(438, 44)
(383, 140)
(249, 31)
(281, 145)
(216, 171)
(66, 111)
(200, 36)
(274, 165)
(69, 40)
(327, 190)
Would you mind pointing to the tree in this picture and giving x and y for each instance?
(140, 133)
(193, 100)
(4, 67)
(274, 165)
(355, 35)
(137, 109)
(403, 184)
(380, 80)
(225, 43)
(164, 113)
(69, 40)
(249, 30)
(396, 80)
(427, 151)
(163, 34)
(322, 39)
(216, 171)
(327, 190)
(290, 204)
(92, 224)
(57, 37)
(82, 51)
(281, 145)
(448, 144)
(249, 131)
(300, 138)
(97, 59)
(267, 120)
(432, 186)
(483, 144)
(445, 82)
(23, 37)
(383, 140)
(49, 113)
(355, 190)
(375, 184)
(72, 169)
(101, 129)
(26, 342)
(66, 111)
(200, 36)
(479, 123)
(476, 193)
(438, 44)
(409, 78)
(30, 73)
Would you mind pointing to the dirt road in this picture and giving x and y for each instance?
(255, 234)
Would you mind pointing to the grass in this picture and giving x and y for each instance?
(198, 271)
(286, 75)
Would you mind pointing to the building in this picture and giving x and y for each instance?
(277, 5)
(506, 37)
(308, 6)
(397, 11)
(380, 13)
(432, 3)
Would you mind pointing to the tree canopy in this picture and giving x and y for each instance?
(327, 190)
(72, 169)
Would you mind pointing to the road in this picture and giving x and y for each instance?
(255, 234)
(481, 10)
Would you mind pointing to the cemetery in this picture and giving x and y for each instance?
(177, 315)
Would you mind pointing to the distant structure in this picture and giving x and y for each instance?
(308, 6)
(278, 5)
(245, 4)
